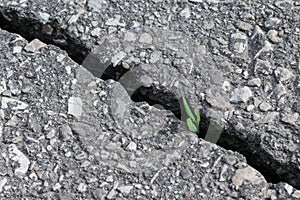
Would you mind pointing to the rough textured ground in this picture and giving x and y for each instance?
(68, 134)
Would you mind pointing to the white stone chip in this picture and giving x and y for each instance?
(34, 45)
(241, 95)
(75, 106)
(125, 189)
(248, 174)
(131, 146)
(15, 104)
(116, 59)
(23, 162)
(2, 183)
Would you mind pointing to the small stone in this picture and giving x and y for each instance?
(250, 108)
(284, 74)
(57, 186)
(248, 174)
(125, 189)
(255, 82)
(245, 26)
(13, 104)
(2, 183)
(115, 21)
(185, 173)
(239, 42)
(116, 59)
(288, 188)
(131, 146)
(273, 36)
(44, 17)
(75, 106)
(47, 29)
(185, 13)
(17, 49)
(296, 194)
(96, 32)
(264, 106)
(272, 22)
(129, 36)
(241, 95)
(290, 118)
(146, 38)
(34, 45)
(255, 116)
(110, 179)
(23, 162)
(155, 56)
(279, 91)
(82, 187)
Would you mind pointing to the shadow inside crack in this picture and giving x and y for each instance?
(50, 33)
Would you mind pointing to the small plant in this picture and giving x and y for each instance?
(193, 119)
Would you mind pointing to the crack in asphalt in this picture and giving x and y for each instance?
(31, 29)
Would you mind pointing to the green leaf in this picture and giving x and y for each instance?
(187, 109)
(197, 117)
(191, 126)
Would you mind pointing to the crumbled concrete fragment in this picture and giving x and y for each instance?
(146, 38)
(116, 59)
(239, 42)
(290, 118)
(125, 189)
(255, 82)
(185, 12)
(34, 45)
(2, 183)
(82, 187)
(248, 174)
(131, 146)
(75, 106)
(264, 106)
(129, 36)
(23, 162)
(296, 194)
(284, 74)
(115, 21)
(15, 104)
(288, 188)
(241, 95)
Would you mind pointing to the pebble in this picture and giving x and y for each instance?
(273, 36)
(241, 95)
(2, 183)
(239, 42)
(15, 104)
(284, 74)
(129, 36)
(146, 38)
(131, 146)
(249, 174)
(34, 45)
(290, 118)
(75, 106)
(255, 82)
(255, 116)
(125, 189)
(185, 173)
(185, 13)
(264, 106)
(82, 187)
(272, 22)
(23, 162)
(116, 59)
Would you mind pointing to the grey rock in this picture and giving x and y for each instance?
(241, 95)
(23, 162)
(264, 106)
(34, 45)
(125, 189)
(75, 106)
(185, 173)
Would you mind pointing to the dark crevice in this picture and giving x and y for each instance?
(158, 96)
(30, 29)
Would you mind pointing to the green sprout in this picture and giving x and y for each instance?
(193, 119)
